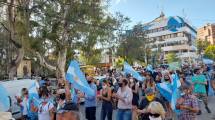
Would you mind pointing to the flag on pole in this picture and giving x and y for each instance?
(4, 99)
(76, 77)
(129, 70)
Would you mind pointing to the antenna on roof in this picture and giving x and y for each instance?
(162, 9)
(162, 14)
(184, 15)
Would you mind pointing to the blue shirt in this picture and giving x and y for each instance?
(42, 82)
(90, 101)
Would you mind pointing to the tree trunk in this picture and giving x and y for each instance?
(15, 63)
(61, 64)
(11, 19)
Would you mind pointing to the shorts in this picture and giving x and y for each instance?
(202, 97)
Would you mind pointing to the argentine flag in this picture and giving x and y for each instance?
(4, 99)
(150, 69)
(165, 90)
(129, 70)
(33, 94)
(176, 92)
(76, 77)
(170, 91)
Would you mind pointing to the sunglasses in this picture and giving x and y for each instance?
(155, 115)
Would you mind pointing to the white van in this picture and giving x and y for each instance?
(14, 88)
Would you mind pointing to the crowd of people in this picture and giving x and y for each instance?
(132, 99)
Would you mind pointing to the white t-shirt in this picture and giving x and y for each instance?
(25, 106)
(127, 95)
(43, 111)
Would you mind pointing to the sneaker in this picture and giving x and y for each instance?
(208, 110)
(199, 113)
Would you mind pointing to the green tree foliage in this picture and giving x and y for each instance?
(171, 57)
(210, 52)
(93, 59)
(132, 46)
(55, 28)
(16, 21)
(202, 45)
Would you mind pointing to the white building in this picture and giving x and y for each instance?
(171, 34)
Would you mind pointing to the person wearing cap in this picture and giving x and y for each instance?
(200, 82)
(188, 104)
(150, 97)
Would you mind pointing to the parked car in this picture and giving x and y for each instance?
(14, 88)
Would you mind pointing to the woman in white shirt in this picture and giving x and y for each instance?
(124, 96)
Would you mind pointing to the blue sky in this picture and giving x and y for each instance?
(198, 12)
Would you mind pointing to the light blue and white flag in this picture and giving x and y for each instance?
(176, 77)
(129, 70)
(165, 90)
(175, 92)
(4, 99)
(33, 94)
(171, 91)
(76, 77)
(150, 68)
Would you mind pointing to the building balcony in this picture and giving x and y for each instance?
(187, 55)
(178, 48)
(172, 40)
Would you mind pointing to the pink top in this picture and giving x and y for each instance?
(127, 95)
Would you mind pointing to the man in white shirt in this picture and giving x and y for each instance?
(124, 96)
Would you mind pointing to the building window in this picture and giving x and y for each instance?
(180, 34)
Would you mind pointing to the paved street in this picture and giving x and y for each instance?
(204, 116)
